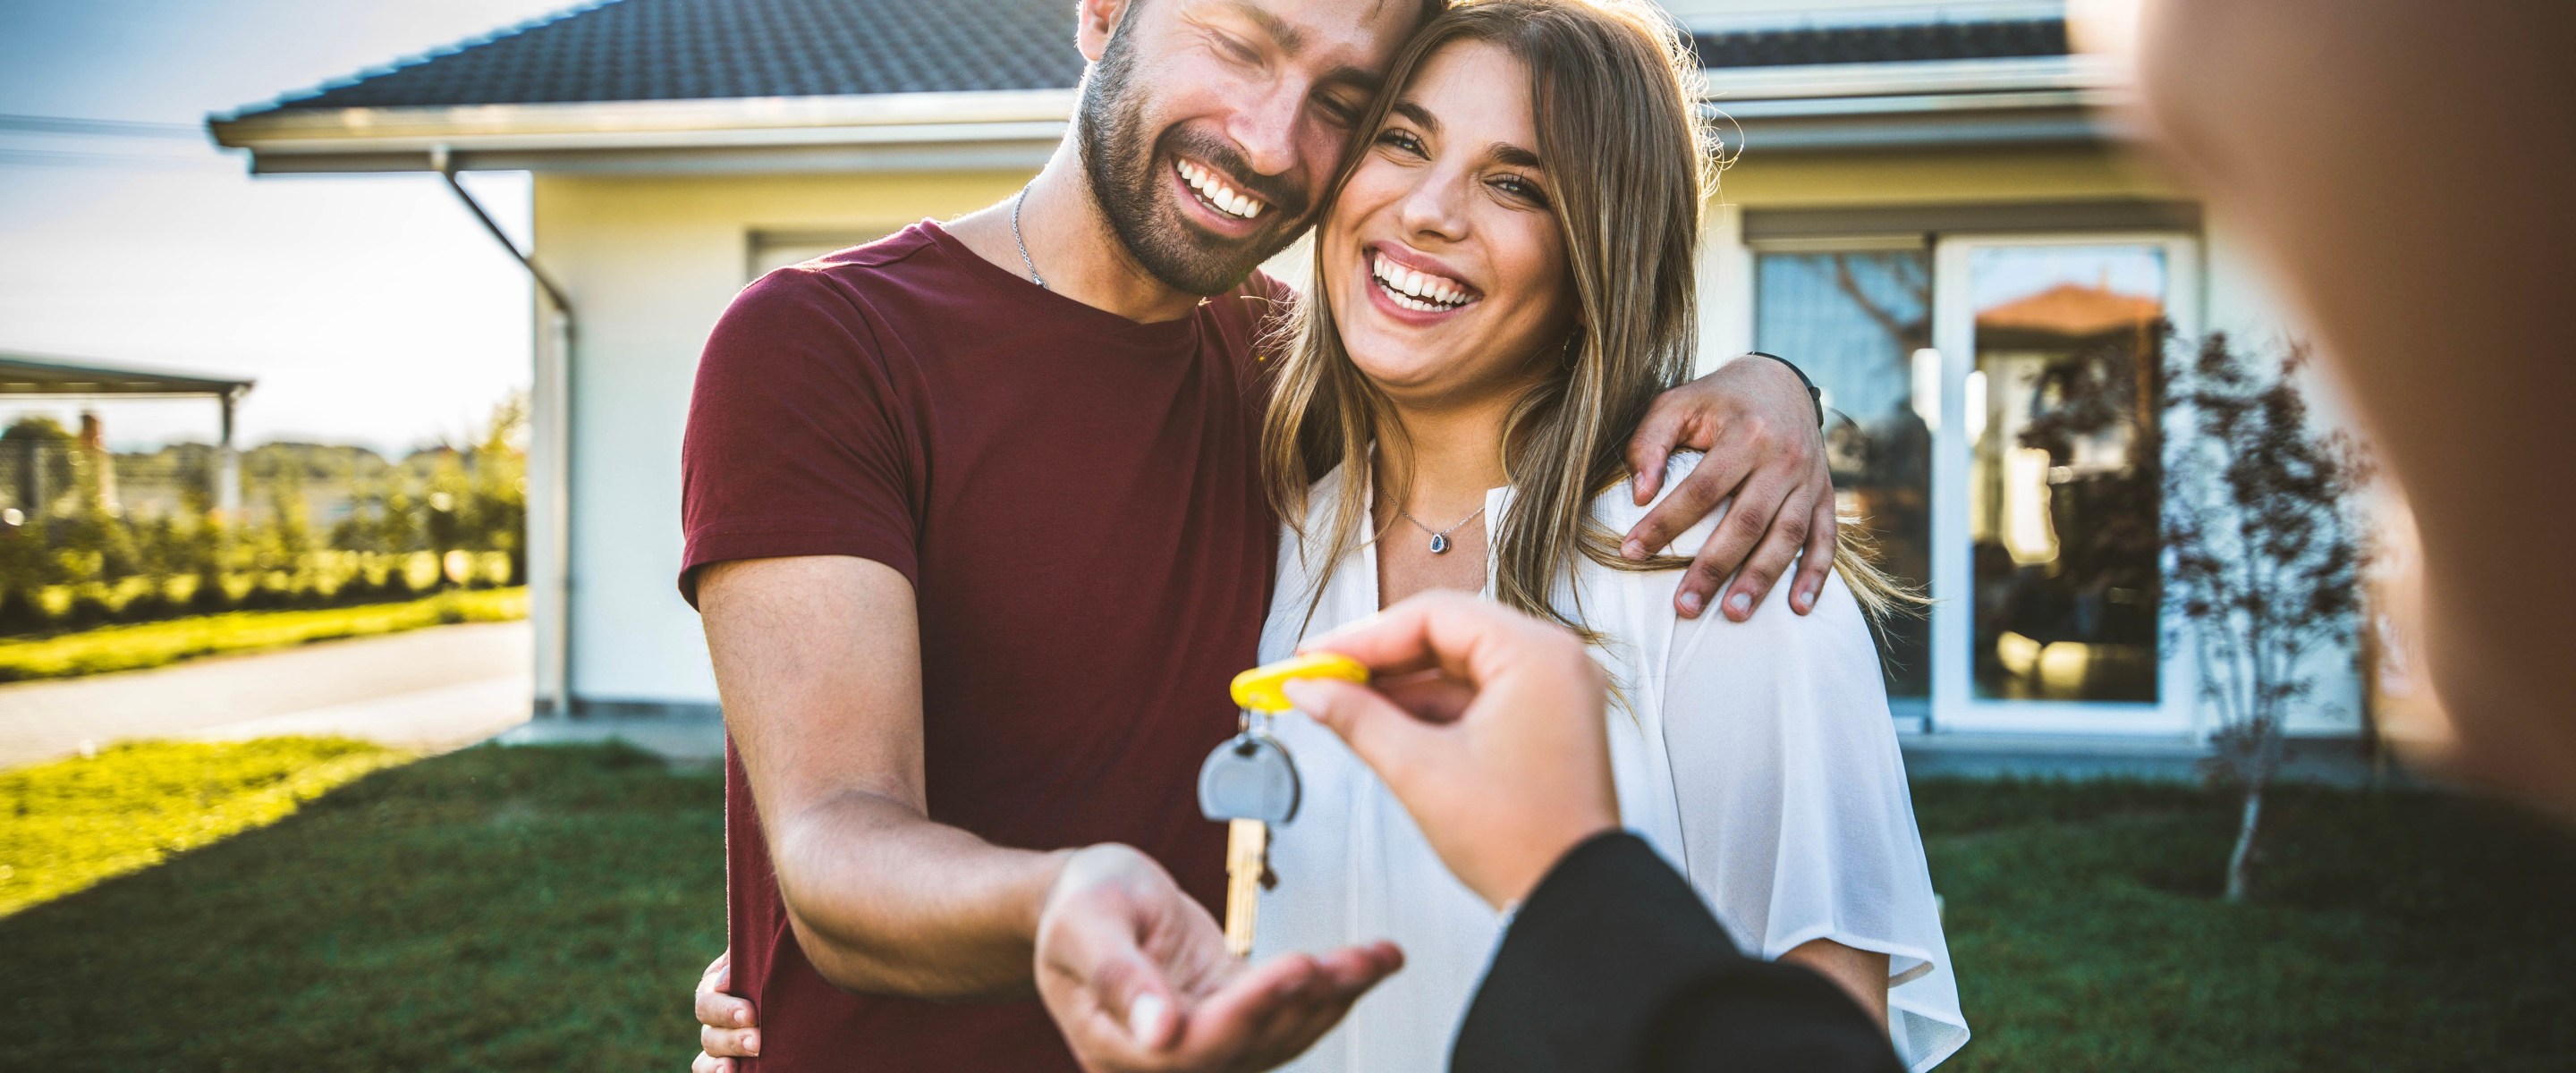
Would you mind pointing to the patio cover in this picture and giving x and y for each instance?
(44, 374)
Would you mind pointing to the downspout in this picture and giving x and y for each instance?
(550, 435)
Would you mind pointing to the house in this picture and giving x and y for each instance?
(1923, 210)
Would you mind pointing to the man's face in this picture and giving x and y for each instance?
(1209, 128)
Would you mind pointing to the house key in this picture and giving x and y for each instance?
(1250, 783)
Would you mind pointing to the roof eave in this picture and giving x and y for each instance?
(1840, 106)
(893, 130)
(46, 374)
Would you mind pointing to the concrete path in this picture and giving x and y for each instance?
(434, 688)
(2077, 757)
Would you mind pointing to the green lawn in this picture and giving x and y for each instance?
(549, 908)
(489, 909)
(68, 824)
(153, 644)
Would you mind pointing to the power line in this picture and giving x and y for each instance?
(111, 128)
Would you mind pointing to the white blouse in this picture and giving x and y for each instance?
(1757, 757)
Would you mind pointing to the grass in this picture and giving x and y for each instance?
(69, 824)
(2385, 931)
(489, 909)
(154, 644)
(550, 908)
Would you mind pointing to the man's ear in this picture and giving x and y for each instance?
(1094, 21)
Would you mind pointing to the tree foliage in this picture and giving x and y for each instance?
(2265, 552)
(79, 558)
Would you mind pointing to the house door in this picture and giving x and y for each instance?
(1989, 425)
(2046, 474)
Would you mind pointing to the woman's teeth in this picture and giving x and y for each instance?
(1419, 291)
(1218, 193)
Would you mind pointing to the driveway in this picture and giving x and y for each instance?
(434, 688)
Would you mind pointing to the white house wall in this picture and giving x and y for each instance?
(2242, 301)
(649, 263)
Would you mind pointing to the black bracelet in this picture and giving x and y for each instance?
(1814, 394)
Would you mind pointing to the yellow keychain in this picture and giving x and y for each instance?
(1250, 783)
(1258, 688)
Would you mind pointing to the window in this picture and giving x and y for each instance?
(2063, 485)
(1854, 319)
(778, 249)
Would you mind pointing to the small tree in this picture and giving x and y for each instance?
(2260, 519)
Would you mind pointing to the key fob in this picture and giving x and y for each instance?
(1249, 778)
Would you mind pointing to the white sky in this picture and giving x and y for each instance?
(371, 309)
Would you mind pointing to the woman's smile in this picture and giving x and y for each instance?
(1416, 283)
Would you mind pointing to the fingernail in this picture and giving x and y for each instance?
(1145, 1020)
(751, 1043)
(1806, 601)
(742, 1017)
(1301, 693)
(1741, 602)
(1690, 603)
(1634, 549)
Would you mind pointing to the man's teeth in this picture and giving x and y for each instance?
(1216, 191)
(1418, 291)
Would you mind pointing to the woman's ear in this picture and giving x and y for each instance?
(1094, 22)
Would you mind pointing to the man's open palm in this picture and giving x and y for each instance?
(1137, 977)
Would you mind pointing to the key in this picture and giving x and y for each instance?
(1250, 783)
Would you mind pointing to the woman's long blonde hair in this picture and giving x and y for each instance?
(1614, 92)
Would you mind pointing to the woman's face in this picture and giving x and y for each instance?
(1442, 257)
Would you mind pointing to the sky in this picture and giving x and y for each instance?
(371, 309)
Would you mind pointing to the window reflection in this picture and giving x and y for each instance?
(2063, 495)
(1854, 321)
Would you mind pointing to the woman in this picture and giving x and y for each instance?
(1502, 284)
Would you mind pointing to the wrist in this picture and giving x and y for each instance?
(1038, 892)
(1541, 855)
(1815, 395)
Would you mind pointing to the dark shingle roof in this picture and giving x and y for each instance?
(647, 50)
(641, 50)
(1883, 44)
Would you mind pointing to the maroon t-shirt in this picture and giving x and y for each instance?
(1074, 497)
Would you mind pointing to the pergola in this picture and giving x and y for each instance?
(84, 378)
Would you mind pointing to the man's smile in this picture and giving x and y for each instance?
(1213, 191)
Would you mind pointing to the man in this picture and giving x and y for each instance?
(974, 528)
(1487, 725)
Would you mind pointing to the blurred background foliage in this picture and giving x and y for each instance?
(89, 537)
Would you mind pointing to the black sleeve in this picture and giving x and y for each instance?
(1614, 964)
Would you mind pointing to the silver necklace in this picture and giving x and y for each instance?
(1022, 243)
(1439, 537)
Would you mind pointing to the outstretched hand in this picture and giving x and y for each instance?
(1766, 458)
(1487, 725)
(1136, 975)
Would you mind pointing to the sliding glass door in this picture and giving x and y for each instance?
(2048, 461)
(1993, 425)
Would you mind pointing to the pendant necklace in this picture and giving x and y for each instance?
(1439, 537)
(1022, 243)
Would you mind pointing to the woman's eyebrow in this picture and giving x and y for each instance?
(1507, 153)
(1420, 116)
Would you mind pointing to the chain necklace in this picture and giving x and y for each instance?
(1022, 243)
(1439, 537)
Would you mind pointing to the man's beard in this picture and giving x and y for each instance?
(1126, 172)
